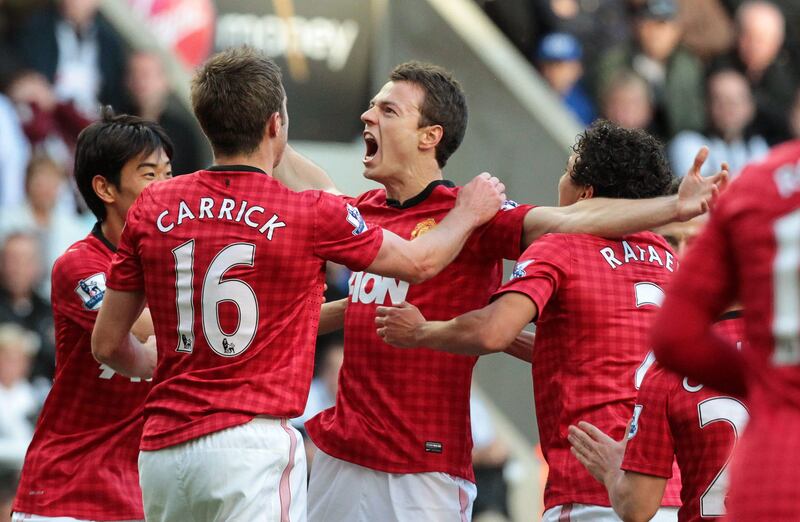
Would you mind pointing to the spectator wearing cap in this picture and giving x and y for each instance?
(675, 76)
(558, 58)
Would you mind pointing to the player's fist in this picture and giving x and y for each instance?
(398, 325)
(481, 198)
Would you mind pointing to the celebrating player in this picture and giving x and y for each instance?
(592, 299)
(749, 251)
(674, 418)
(232, 264)
(81, 464)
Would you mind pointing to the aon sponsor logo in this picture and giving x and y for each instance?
(370, 288)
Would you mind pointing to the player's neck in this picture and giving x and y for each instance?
(410, 183)
(112, 228)
(258, 159)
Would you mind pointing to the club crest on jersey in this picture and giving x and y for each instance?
(355, 219)
(637, 410)
(519, 269)
(423, 227)
(508, 205)
(91, 290)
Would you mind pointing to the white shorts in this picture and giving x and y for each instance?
(591, 513)
(343, 492)
(256, 471)
(26, 517)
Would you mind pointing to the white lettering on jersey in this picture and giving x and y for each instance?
(370, 288)
(608, 254)
(253, 216)
(651, 255)
(106, 372)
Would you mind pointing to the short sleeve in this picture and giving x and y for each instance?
(541, 270)
(126, 274)
(341, 234)
(78, 290)
(651, 448)
(502, 235)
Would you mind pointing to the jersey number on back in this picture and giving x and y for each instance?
(216, 291)
(786, 290)
(646, 294)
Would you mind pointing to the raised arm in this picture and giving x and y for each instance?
(112, 342)
(424, 257)
(487, 330)
(299, 173)
(634, 496)
(608, 217)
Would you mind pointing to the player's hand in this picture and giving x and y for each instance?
(600, 454)
(397, 325)
(698, 194)
(481, 198)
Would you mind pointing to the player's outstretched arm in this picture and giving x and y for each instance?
(299, 173)
(112, 342)
(634, 496)
(488, 330)
(607, 217)
(331, 317)
(424, 257)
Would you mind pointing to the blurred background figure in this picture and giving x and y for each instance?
(559, 61)
(8, 488)
(20, 402)
(151, 98)
(20, 302)
(708, 29)
(628, 101)
(730, 136)
(489, 457)
(794, 116)
(16, 151)
(674, 75)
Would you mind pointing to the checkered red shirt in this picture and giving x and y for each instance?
(749, 249)
(596, 298)
(407, 411)
(678, 418)
(232, 264)
(82, 460)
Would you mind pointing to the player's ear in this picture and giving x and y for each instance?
(274, 124)
(104, 189)
(587, 192)
(430, 136)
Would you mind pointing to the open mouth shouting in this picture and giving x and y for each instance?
(371, 147)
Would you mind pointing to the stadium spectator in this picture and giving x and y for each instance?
(730, 137)
(18, 398)
(708, 30)
(559, 61)
(760, 55)
(794, 117)
(151, 99)
(489, 457)
(628, 101)
(674, 75)
(8, 488)
(14, 158)
(20, 303)
(77, 51)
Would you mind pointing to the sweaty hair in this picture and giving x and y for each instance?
(444, 103)
(233, 95)
(105, 146)
(621, 163)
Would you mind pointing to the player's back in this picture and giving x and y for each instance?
(233, 269)
(591, 336)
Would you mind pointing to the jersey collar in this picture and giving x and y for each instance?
(97, 232)
(422, 196)
(234, 168)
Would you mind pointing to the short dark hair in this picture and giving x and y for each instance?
(621, 163)
(105, 146)
(444, 103)
(233, 95)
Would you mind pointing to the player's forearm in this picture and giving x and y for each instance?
(143, 328)
(469, 334)
(331, 317)
(128, 357)
(299, 173)
(522, 346)
(628, 503)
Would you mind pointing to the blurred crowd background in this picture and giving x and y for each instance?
(723, 73)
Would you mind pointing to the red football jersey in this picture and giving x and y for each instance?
(750, 250)
(675, 417)
(407, 411)
(233, 265)
(596, 299)
(82, 460)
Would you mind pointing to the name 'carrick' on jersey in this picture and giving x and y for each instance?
(81, 462)
(407, 411)
(596, 299)
(233, 266)
(678, 418)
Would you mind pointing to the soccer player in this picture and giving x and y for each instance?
(401, 423)
(81, 464)
(749, 251)
(232, 264)
(592, 299)
(674, 418)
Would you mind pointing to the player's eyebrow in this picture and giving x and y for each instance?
(151, 165)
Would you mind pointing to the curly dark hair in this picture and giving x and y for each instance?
(621, 163)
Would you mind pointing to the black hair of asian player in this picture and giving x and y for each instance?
(621, 163)
(105, 146)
